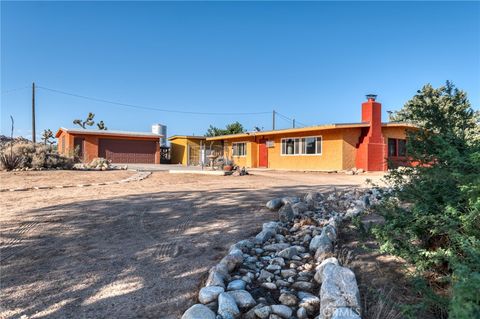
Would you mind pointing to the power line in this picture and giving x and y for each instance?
(290, 119)
(146, 107)
(17, 89)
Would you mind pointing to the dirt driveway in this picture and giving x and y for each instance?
(131, 250)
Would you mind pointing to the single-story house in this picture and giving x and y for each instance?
(116, 146)
(366, 145)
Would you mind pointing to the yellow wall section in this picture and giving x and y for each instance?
(350, 141)
(179, 149)
(339, 149)
(242, 161)
(393, 132)
(330, 159)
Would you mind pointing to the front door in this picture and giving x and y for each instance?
(262, 153)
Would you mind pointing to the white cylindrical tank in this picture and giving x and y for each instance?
(160, 129)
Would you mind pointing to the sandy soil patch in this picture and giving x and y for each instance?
(54, 178)
(139, 249)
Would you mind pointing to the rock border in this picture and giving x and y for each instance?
(287, 261)
(139, 176)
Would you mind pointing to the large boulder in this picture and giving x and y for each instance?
(263, 312)
(290, 200)
(299, 208)
(243, 245)
(233, 259)
(339, 289)
(318, 241)
(209, 294)
(227, 307)
(285, 214)
(217, 276)
(274, 204)
(319, 274)
(269, 230)
(345, 313)
(324, 248)
(313, 197)
(198, 311)
(237, 284)
(243, 299)
(264, 235)
(330, 231)
(282, 311)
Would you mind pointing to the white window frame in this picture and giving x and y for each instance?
(302, 145)
(244, 149)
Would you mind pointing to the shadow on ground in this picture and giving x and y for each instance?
(141, 256)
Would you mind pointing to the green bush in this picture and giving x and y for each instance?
(432, 214)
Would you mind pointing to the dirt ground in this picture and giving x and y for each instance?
(139, 249)
(28, 179)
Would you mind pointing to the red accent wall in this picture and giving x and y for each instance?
(371, 152)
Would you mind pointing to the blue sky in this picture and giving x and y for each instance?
(314, 61)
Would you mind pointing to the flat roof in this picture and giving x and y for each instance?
(307, 129)
(192, 137)
(107, 133)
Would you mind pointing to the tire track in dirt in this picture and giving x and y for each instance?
(11, 246)
(171, 246)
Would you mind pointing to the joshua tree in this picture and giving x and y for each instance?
(101, 126)
(46, 136)
(89, 121)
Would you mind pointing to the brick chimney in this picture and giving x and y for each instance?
(371, 150)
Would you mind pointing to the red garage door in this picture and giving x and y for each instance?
(127, 151)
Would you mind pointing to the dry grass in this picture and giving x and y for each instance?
(380, 304)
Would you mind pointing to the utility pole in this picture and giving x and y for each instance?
(33, 113)
(293, 123)
(273, 120)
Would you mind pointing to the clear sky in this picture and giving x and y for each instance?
(314, 61)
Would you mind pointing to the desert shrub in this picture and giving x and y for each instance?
(9, 161)
(28, 155)
(432, 214)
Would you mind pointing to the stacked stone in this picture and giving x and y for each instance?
(288, 269)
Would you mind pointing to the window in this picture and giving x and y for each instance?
(302, 146)
(397, 147)
(392, 147)
(239, 149)
(402, 147)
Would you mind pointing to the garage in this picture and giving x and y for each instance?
(127, 151)
(116, 146)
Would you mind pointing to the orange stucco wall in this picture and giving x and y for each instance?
(339, 150)
(330, 159)
(349, 150)
(90, 145)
